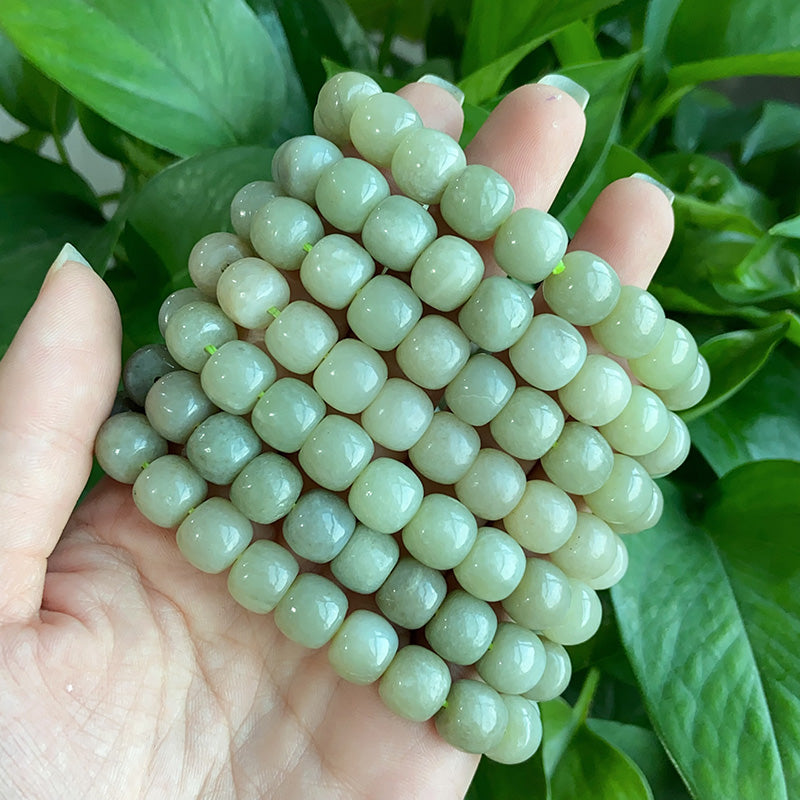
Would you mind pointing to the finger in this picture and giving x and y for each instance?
(57, 384)
(438, 104)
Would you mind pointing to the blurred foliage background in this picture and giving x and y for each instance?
(692, 686)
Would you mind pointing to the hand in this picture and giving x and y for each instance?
(127, 673)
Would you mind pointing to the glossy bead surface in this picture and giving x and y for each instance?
(348, 191)
(298, 163)
(556, 675)
(167, 489)
(335, 452)
(125, 443)
(267, 488)
(221, 446)
(214, 535)
(690, 391)
(261, 575)
(311, 611)
(462, 628)
(528, 425)
(670, 362)
(598, 393)
(176, 404)
(480, 390)
(634, 325)
(280, 230)
(334, 269)
(211, 256)
(582, 619)
(250, 291)
(515, 663)
(641, 426)
(415, 684)
(143, 368)
(250, 198)
(363, 647)
(235, 375)
(425, 161)
(477, 202)
(625, 494)
(589, 551)
(616, 572)
(581, 460)
(385, 495)
(497, 314)
(336, 102)
(174, 301)
(493, 567)
(446, 273)
(474, 718)
(671, 453)
(301, 337)
(318, 526)
(523, 733)
(366, 560)
(529, 245)
(543, 519)
(446, 450)
(399, 415)
(350, 376)
(433, 352)
(492, 485)
(193, 328)
(542, 597)
(649, 517)
(411, 594)
(383, 312)
(287, 413)
(441, 533)
(378, 125)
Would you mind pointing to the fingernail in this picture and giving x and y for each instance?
(565, 84)
(443, 84)
(650, 179)
(68, 253)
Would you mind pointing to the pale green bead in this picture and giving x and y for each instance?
(446, 450)
(474, 718)
(492, 485)
(250, 198)
(589, 551)
(462, 628)
(598, 393)
(477, 202)
(399, 415)
(366, 560)
(425, 161)
(542, 597)
(311, 611)
(582, 619)
(585, 291)
(523, 733)
(282, 228)
(670, 362)
(301, 337)
(143, 368)
(580, 461)
(125, 443)
(261, 575)
(549, 353)
(671, 453)
(385, 495)
(441, 533)
(348, 191)
(641, 426)
(647, 519)
(411, 594)
(446, 273)
(543, 519)
(287, 413)
(379, 124)
(176, 404)
(416, 683)
(362, 649)
(267, 488)
(350, 376)
(383, 312)
(195, 327)
(433, 352)
(214, 535)
(625, 495)
(335, 452)
(221, 446)
(616, 572)
(167, 489)
(235, 375)
(634, 325)
(335, 268)
(556, 675)
(174, 301)
(250, 291)
(211, 256)
(529, 245)
(336, 102)
(497, 314)
(528, 424)
(318, 526)
(690, 391)
(493, 567)
(397, 231)
(516, 660)
(298, 163)
(480, 390)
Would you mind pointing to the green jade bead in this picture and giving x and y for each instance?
(335, 269)
(350, 376)
(411, 594)
(493, 567)
(634, 325)
(176, 404)
(383, 312)
(433, 352)
(125, 443)
(549, 354)
(542, 598)
(425, 161)
(474, 718)
(337, 100)
(311, 611)
(446, 450)
(598, 393)
(528, 425)
(477, 202)
(416, 683)
(250, 291)
(261, 576)
(397, 231)
(523, 733)
(366, 560)
(580, 462)
(143, 368)
(641, 426)
(497, 314)
(625, 495)
(398, 416)
(544, 518)
(235, 375)
(529, 245)
(348, 191)
(174, 301)
(378, 125)
(441, 533)
(213, 535)
(556, 676)
(582, 619)
(615, 573)
(446, 273)
(492, 485)
(336, 452)
(287, 413)
(281, 230)
(690, 391)
(362, 649)
(648, 518)
(298, 163)
(480, 390)
(318, 526)
(267, 488)
(670, 362)
(462, 628)
(167, 489)
(671, 453)
(194, 331)
(211, 256)
(252, 197)
(301, 337)
(221, 446)
(516, 660)
(590, 550)
(385, 495)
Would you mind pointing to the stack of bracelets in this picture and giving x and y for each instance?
(498, 567)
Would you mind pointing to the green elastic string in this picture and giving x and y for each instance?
(307, 247)
(559, 268)
(210, 349)
(275, 311)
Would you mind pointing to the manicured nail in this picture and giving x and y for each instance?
(68, 253)
(443, 84)
(565, 84)
(650, 179)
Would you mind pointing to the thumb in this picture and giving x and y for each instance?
(57, 383)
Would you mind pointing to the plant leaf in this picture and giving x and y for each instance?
(789, 227)
(777, 128)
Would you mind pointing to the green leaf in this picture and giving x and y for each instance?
(575, 44)
(658, 20)
(495, 781)
(777, 128)
(184, 76)
(707, 121)
(710, 617)
(474, 117)
(789, 227)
